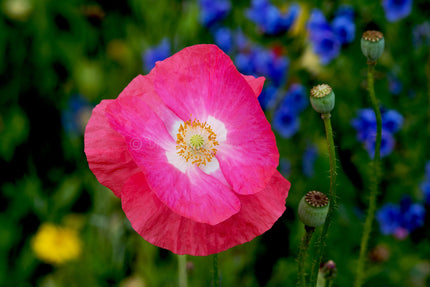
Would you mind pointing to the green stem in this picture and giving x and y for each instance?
(215, 267)
(182, 271)
(374, 179)
(332, 197)
(301, 280)
(328, 282)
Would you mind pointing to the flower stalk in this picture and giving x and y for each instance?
(182, 271)
(332, 197)
(215, 270)
(329, 282)
(374, 178)
(304, 246)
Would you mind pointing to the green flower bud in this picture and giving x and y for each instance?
(372, 45)
(313, 208)
(322, 99)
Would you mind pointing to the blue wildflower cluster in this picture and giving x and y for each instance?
(263, 62)
(154, 54)
(365, 125)
(286, 118)
(425, 185)
(269, 18)
(327, 38)
(400, 219)
(249, 58)
(396, 10)
(213, 11)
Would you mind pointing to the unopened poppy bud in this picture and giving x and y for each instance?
(372, 45)
(313, 208)
(322, 99)
(329, 269)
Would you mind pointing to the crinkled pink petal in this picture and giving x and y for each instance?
(255, 83)
(143, 87)
(193, 194)
(247, 174)
(156, 223)
(107, 152)
(201, 81)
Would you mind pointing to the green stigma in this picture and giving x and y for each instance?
(196, 141)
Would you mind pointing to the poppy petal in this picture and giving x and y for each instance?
(107, 152)
(159, 225)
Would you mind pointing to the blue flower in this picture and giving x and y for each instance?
(213, 11)
(76, 115)
(278, 69)
(267, 97)
(296, 98)
(345, 11)
(157, 53)
(413, 214)
(240, 40)
(285, 167)
(244, 64)
(397, 219)
(365, 122)
(428, 169)
(365, 125)
(269, 18)
(285, 122)
(267, 63)
(326, 45)
(389, 217)
(392, 121)
(224, 39)
(421, 34)
(396, 9)
(387, 144)
(317, 22)
(263, 62)
(344, 28)
(425, 188)
(394, 85)
(309, 157)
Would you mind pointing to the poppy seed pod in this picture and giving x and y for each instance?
(313, 208)
(322, 98)
(372, 45)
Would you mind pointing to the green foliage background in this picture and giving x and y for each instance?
(94, 48)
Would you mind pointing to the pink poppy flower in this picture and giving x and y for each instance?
(190, 153)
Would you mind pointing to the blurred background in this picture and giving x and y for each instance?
(60, 227)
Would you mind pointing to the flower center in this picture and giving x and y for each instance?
(196, 142)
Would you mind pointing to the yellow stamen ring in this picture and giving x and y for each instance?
(196, 142)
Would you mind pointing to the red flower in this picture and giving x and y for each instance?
(190, 153)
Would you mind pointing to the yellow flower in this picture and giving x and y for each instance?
(55, 244)
(299, 26)
(311, 62)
